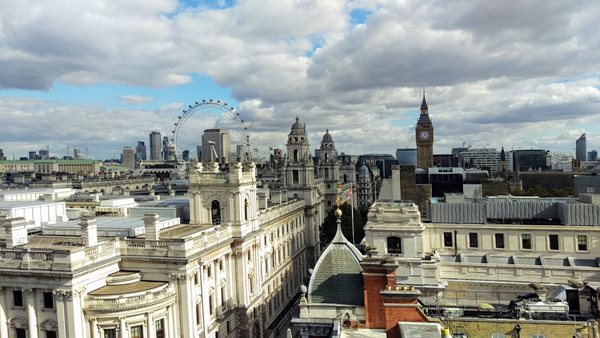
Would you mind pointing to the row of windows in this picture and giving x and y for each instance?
(526, 243)
(48, 299)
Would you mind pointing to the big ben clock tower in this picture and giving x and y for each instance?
(424, 137)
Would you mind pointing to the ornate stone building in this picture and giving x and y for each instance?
(234, 271)
(424, 137)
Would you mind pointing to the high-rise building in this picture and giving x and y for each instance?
(155, 146)
(165, 148)
(129, 157)
(580, 148)
(77, 154)
(424, 137)
(215, 143)
(44, 154)
(2, 158)
(33, 155)
(140, 151)
(592, 155)
(199, 152)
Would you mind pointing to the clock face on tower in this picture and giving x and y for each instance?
(424, 135)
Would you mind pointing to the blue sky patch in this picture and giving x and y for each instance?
(358, 16)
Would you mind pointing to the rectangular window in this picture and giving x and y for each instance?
(50, 334)
(553, 241)
(210, 304)
(110, 333)
(48, 300)
(159, 327)
(499, 239)
(582, 243)
(473, 240)
(18, 298)
(137, 331)
(448, 242)
(198, 314)
(20, 333)
(526, 241)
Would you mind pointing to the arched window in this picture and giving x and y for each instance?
(394, 245)
(215, 212)
(246, 209)
(326, 156)
(296, 155)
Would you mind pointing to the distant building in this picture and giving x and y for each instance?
(2, 158)
(199, 152)
(77, 154)
(406, 156)
(140, 151)
(33, 155)
(129, 157)
(155, 146)
(531, 159)
(580, 148)
(482, 158)
(445, 160)
(216, 145)
(165, 148)
(592, 155)
(44, 154)
(185, 155)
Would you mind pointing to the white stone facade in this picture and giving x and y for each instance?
(237, 277)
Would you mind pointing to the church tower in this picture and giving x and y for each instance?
(424, 137)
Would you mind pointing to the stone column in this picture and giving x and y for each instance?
(3, 319)
(94, 327)
(122, 328)
(74, 314)
(31, 315)
(60, 313)
(170, 323)
(149, 326)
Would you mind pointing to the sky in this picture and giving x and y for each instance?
(101, 75)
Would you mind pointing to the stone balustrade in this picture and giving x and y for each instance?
(124, 302)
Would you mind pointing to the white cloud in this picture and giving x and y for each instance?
(135, 99)
(494, 72)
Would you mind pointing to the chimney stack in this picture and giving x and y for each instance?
(262, 200)
(15, 230)
(151, 226)
(89, 229)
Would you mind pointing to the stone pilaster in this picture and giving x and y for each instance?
(31, 315)
(3, 318)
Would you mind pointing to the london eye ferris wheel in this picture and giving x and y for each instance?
(211, 113)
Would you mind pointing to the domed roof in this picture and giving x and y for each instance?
(363, 170)
(297, 127)
(337, 277)
(327, 137)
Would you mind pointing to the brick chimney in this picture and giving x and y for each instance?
(89, 229)
(386, 303)
(15, 230)
(151, 226)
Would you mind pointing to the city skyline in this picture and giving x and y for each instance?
(355, 68)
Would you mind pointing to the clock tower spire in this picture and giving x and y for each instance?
(424, 137)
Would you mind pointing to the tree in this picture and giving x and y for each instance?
(329, 227)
